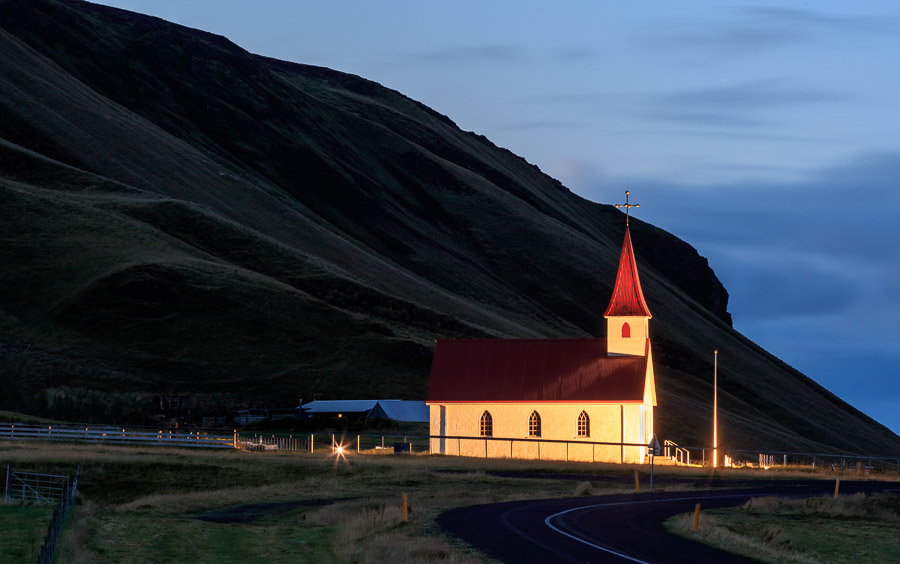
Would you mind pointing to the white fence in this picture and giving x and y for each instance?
(118, 435)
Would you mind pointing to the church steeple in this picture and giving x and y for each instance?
(627, 297)
(627, 316)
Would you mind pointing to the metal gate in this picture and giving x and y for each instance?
(24, 487)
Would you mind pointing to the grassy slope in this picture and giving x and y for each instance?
(201, 220)
(855, 528)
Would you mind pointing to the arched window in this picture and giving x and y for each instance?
(534, 425)
(487, 425)
(584, 425)
(626, 331)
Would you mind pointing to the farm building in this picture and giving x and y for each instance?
(395, 410)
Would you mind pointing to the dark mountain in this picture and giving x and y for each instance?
(180, 216)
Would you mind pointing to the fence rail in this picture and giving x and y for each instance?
(118, 435)
(860, 463)
(374, 443)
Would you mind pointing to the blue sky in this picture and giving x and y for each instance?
(766, 135)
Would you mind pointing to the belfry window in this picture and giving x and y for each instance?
(584, 425)
(487, 424)
(534, 425)
(626, 331)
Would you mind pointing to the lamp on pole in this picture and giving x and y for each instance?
(715, 408)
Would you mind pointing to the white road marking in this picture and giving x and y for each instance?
(609, 550)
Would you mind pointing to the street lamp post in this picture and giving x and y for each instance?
(715, 408)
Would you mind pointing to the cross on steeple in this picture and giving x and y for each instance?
(627, 207)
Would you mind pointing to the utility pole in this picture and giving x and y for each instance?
(715, 408)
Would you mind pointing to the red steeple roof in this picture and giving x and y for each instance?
(627, 297)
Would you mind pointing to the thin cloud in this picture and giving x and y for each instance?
(546, 124)
(751, 95)
(738, 105)
(754, 29)
(500, 54)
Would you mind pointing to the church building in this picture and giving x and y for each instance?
(496, 397)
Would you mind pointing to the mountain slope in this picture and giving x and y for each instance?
(181, 216)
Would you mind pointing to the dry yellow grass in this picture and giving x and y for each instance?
(849, 529)
(126, 490)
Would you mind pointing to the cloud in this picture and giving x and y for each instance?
(499, 54)
(750, 95)
(544, 124)
(732, 105)
(754, 29)
(826, 245)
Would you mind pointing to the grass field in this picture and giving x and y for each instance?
(166, 505)
(849, 529)
(22, 531)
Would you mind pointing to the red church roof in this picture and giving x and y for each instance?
(533, 370)
(627, 297)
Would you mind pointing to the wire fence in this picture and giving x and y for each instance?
(33, 487)
(861, 464)
(59, 519)
(506, 447)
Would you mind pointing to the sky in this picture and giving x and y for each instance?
(767, 135)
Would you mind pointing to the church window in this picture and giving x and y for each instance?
(584, 425)
(534, 425)
(626, 331)
(487, 425)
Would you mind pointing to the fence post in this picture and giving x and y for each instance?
(357, 444)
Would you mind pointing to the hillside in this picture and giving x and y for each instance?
(180, 216)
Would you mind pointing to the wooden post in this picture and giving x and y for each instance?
(357, 444)
(837, 485)
(697, 517)
(637, 483)
(405, 509)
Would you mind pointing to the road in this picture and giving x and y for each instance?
(615, 528)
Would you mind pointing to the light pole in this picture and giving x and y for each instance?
(715, 408)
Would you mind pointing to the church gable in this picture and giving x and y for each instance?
(533, 370)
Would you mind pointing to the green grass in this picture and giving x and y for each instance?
(22, 531)
(849, 529)
(134, 535)
(13, 417)
(147, 504)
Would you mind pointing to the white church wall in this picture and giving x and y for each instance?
(558, 422)
(635, 344)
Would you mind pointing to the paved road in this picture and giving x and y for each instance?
(618, 528)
